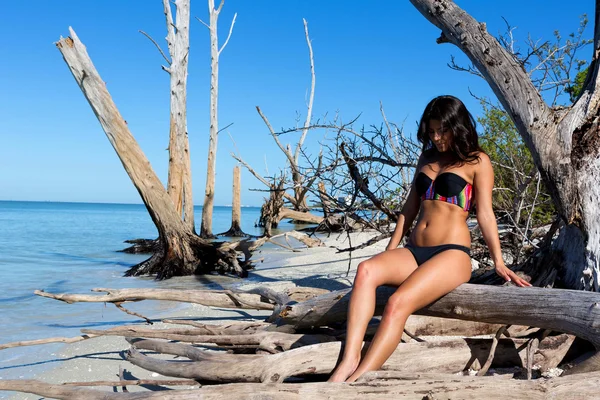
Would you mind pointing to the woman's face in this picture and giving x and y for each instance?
(441, 139)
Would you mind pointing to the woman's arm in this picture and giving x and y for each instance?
(483, 184)
(405, 218)
(408, 214)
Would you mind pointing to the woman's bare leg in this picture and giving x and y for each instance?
(433, 279)
(391, 267)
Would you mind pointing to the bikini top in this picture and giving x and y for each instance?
(447, 187)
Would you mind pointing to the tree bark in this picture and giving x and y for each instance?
(236, 207)
(178, 40)
(564, 143)
(209, 193)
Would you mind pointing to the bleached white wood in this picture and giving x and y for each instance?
(209, 192)
(179, 182)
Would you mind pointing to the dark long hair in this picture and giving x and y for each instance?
(454, 116)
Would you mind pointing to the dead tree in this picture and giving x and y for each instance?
(181, 251)
(179, 181)
(236, 207)
(215, 52)
(521, 202)
(367, 173)
(300, 184)
(564, 142)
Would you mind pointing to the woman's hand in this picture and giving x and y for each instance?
(510, 276)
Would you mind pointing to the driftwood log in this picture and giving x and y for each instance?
(257, 299)
(415, 386)
(440, 356)
(272, 342)
(297, 350)
(570, 311)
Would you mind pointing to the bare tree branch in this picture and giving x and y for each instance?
(157, 46)
(229, 35)
(311, 96)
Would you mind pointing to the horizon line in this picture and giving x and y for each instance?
(100, 202)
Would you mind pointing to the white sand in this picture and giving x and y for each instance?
(100, 358)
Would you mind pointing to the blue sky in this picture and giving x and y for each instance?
(52, 147)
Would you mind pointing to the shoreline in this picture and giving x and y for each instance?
(100, 358)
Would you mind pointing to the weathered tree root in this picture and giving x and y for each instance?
(142, 246)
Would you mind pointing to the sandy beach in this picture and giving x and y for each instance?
(100, 358)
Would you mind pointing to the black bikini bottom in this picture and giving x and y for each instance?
(424, 253)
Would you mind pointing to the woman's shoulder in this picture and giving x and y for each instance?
(482, 163)
(480, 158)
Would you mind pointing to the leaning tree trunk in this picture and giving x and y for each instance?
(564, 143)
(178, 40)
(181, 249)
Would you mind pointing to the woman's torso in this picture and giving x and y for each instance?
(441, 222)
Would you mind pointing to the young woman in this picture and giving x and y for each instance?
(452, 173)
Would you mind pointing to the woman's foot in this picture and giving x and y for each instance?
(344, 370)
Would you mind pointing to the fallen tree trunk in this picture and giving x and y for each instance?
(213, 298)
(569, 311)
(272, 342)
(405, 387)
(301, 216)
(442, 356)
(258, 299)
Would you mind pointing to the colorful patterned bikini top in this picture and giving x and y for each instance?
(447, 187)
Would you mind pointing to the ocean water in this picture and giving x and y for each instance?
(72, 248)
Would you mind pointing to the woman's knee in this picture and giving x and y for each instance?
(399, 305)
(365, 273)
